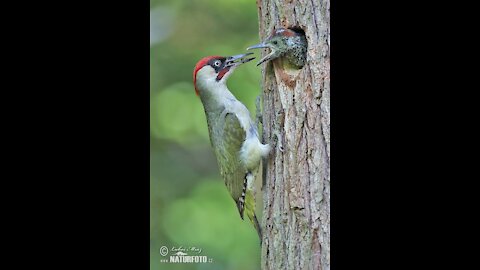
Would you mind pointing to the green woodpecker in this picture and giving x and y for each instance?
(285, 43)
(233, 134)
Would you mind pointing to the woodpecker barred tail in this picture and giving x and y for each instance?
(241, 200)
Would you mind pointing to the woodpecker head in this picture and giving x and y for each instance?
(211, 71)
(283, 42)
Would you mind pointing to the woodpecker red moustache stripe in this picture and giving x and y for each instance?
(222, 73)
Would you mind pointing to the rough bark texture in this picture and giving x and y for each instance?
(296, 195)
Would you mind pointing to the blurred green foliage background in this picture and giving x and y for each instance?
(189, 204)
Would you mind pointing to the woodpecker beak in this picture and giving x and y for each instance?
(237, 60)
(231, 63)
(266, 57)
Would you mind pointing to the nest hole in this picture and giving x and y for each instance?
(297, 29)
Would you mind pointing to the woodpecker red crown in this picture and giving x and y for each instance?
(198, 66)
(283, 32)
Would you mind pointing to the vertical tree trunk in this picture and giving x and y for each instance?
(296, 214)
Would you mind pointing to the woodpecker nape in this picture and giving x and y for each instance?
(233, 134)
(285, 43)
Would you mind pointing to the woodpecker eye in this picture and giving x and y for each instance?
(217, 63)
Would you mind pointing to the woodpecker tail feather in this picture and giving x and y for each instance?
(250, 211)
(246, 203)
(257, 227)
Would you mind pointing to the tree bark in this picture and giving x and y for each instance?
(296, 193)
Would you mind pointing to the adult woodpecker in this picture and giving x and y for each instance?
(285, 43)
(233, 134)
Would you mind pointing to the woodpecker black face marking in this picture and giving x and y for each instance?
(217, 63)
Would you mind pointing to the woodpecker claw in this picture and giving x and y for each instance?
(279, 140)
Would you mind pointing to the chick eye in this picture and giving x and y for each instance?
(275, 42)
(217, 63)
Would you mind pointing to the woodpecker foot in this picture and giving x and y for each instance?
(277, 135)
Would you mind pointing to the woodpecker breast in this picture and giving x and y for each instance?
(253, 150)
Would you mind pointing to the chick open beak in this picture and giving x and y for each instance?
(266, 57)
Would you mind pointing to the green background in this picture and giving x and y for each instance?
(189, 204)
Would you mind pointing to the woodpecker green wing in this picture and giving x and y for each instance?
(231, 168)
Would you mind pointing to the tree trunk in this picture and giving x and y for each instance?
(296, 194)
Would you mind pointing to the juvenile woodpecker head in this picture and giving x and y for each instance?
(284, 42)
(212, 71)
